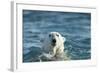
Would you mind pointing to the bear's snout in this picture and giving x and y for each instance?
(53, 40)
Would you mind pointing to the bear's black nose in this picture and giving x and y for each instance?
(54, 40)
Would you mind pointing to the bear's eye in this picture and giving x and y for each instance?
(57, 35)
(49, 35)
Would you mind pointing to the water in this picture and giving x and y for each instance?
(75, 27)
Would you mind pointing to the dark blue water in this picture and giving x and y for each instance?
(75, 27)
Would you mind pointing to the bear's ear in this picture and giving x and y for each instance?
(64, 39)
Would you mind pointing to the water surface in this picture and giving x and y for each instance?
(75, 27)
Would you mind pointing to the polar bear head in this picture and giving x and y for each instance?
(53, 43)
(55, 39)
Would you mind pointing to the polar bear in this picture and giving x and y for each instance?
(53, 46)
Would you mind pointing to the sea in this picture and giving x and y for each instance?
(74, 26)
